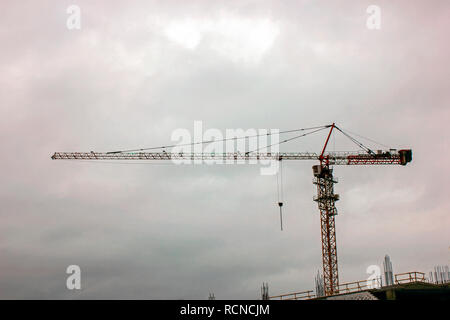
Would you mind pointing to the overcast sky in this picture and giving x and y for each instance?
(138, 70)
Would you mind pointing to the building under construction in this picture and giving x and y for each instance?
(402, 286)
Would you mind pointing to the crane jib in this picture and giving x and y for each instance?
(402, 157)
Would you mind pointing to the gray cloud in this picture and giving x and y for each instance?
(179, 232)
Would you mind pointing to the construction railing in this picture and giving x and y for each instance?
(407, 277)
(356, 286)
(359, 285)
(343, 288)
(303, 295)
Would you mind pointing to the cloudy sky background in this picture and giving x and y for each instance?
(138, 70)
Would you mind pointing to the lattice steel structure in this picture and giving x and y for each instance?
(323, 178)
(334, 158)
(326, 198)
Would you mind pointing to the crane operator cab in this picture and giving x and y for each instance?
(405, 156)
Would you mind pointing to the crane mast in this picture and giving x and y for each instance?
(323, 179)
(326, 199)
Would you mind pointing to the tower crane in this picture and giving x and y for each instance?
(323, 179)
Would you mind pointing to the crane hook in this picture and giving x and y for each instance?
(280, 204)
(280, 192)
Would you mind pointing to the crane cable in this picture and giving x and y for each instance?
(280, 191)
(368, 139)
(368, 150)
(290, 139)
(227, 139)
